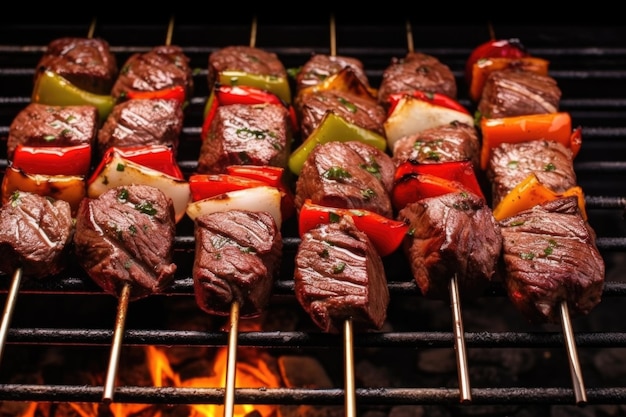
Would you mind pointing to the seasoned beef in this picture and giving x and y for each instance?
(243, 134)
(452, 142)
(162, 67)
(142, 122)
(347, 175)
(361, 111)
(88, 63)
(339, 275)
(454, 233)
(246, 59)
(45, 125)
(511, 92)
(35, 235)
(511, 163)
(416, 71)
(550, 257)
(237, 259)
(126, 236)
(321, 66)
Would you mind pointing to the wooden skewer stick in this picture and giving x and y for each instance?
(9, 307)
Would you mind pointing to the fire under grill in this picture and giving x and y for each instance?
(513, 366)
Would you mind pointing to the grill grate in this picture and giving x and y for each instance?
(590, 67)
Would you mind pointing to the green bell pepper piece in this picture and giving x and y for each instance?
(54, 90)
(333, 128)
(273, 84)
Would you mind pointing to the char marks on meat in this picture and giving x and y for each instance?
(512, 163)
(35, 235)
(141, 123)
(245, 59)
(321, 66)
(88, 63)
(237, 260)
(126, 236)
(416, 71)
(455, 141)
(243, 134)
(339, 275)
(455, 233)
(162, 67)
(350, 175)
(45, 125)
(550, 257)
(509, 93)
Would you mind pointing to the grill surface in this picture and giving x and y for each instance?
(589, 64)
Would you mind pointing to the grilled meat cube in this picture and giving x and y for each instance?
(242, 134)
(361, 111)
(454, 233)
(142, 122)
(550, 256)
(45, 125)
(162, 67)
(347, 175)
(452, 142)
(339, 275)
(237, 259)
(126, 236)
(246, 59)
(511, 163)
(88, 63)
(320, 66)
(35, 235)
(512, 92)
(416, 71)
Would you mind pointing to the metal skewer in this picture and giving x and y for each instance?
(572, 356)
(9, 307)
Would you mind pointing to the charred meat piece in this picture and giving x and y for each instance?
(45, 125)
(162, 67)
(451, 142)
(455, 233)
(237, 259)
(510, 93)
(142, 122)
(35, 235)
(246, 59)
(550, 257)
(347, 175)
(88, 63)
(511, 163)
(361, 111)
(416, 71)
(320, 66)
(339, 275)
(243, 134)
(126, 236)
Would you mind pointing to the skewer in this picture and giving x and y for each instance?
(455, 304)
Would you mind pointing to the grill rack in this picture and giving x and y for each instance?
(588, 65)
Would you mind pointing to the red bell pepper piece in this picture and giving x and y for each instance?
(176, 92)
(53, 160)
(436, 99)
(386, 234)
(460, 171)
(504, 48)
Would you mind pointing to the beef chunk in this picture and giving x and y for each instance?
(45, 125)
(142, 123)
(35, 235)
(339, 275)
(510, 93)
(347, 175)
(511, 163)
(452, 142)
(454, 233)
(242, 134)
(246, 59)
(416, 71)
(362, 111)
(320, 66)
(126, 236)
(550, 257)
(162, 67)
(88, 63)
(237, 259)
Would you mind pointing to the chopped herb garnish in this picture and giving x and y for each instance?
(133, 229)
(15, 198)
(146, 207)
(337, 173)
(368, 193)
(120, 167)
(549, 167)
(122, 195)
(348, 105)
(339, 268)
(334, 217)
(324, 253)
(512, 164)
(528, 256)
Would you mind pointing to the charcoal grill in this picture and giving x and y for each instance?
(589, 63)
